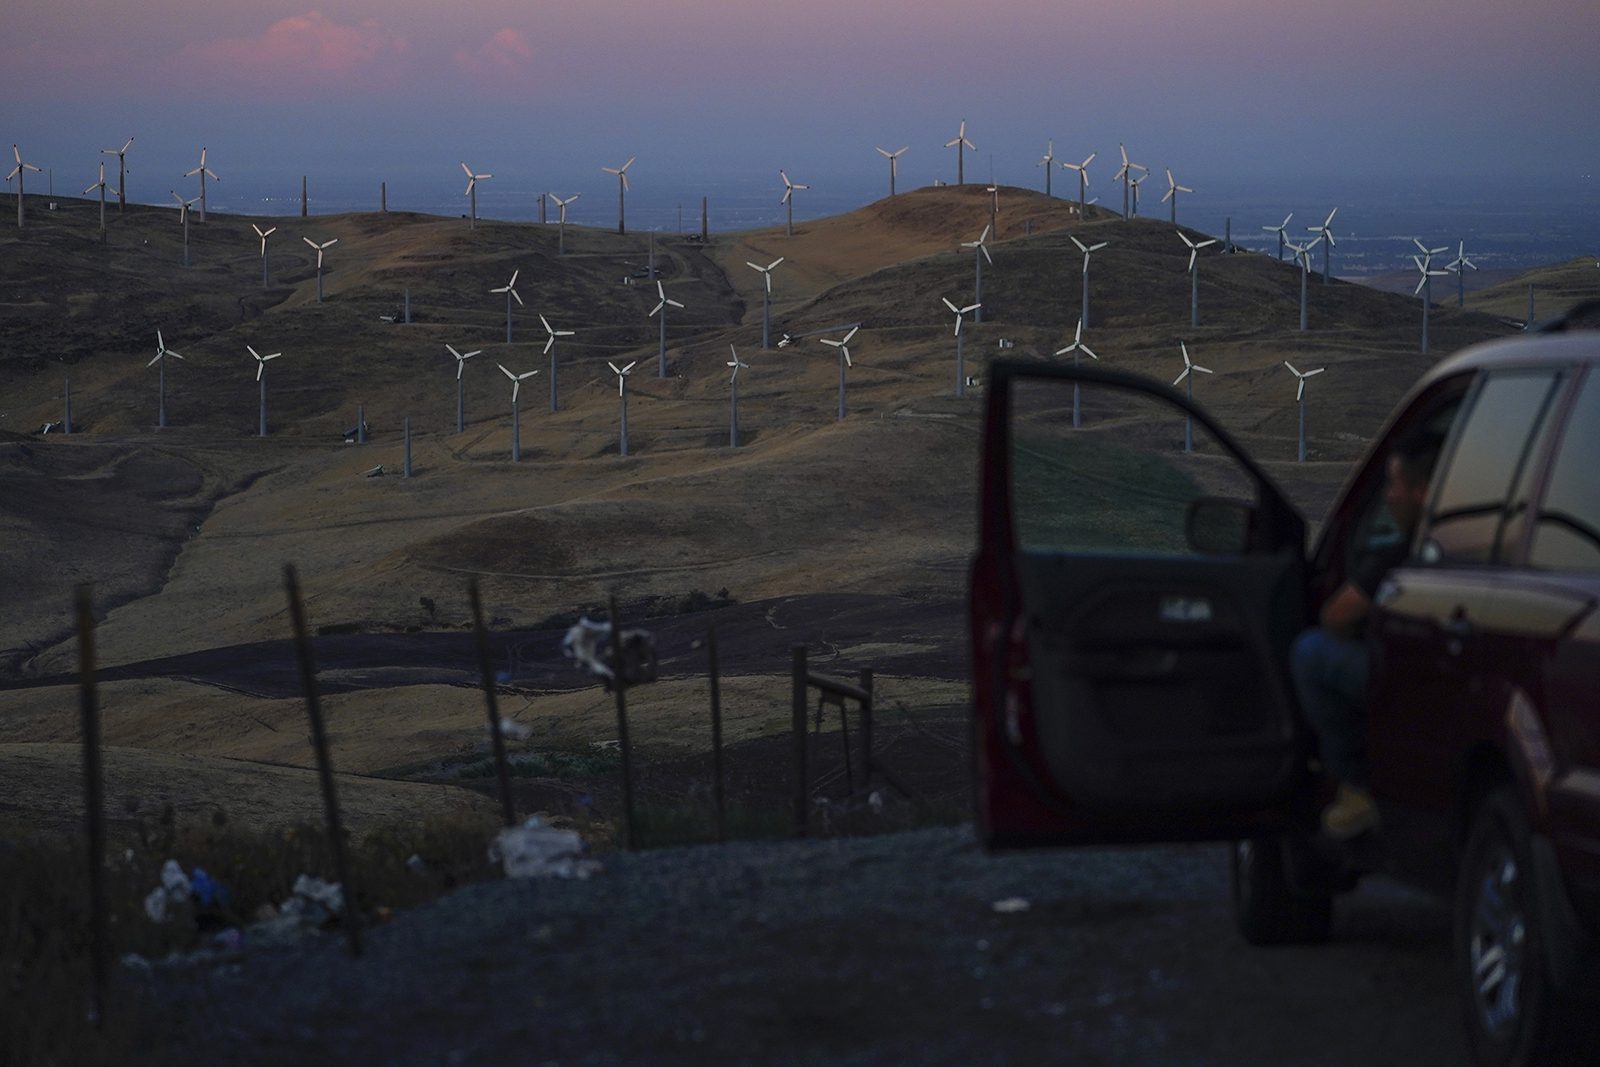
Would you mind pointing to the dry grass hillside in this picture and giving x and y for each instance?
(184, 531)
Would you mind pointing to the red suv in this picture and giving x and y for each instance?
(1134, 599)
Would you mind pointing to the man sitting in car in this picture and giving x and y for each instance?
(1329, 661)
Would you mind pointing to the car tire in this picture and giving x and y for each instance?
(1513, 1016)
(1266, 907)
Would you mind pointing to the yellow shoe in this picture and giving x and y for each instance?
(1352, 813)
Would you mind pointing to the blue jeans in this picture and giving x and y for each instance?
(1330, 678)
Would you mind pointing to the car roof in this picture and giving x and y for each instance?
(1524, 351)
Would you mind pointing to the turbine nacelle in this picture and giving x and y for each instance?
(789, 187)
(264, 234)
(843, 345)
(1301, 376)
(1194, 249)
(981, 244)
(766, 272)
(736, 363)
(261, 361)
(960, 311)
(621, 372)
(1188, 365)
(622, 172)
(1077, 345)
(516, 380)
(323, 247)
(461, 359)
(510, 287)
(473, 179)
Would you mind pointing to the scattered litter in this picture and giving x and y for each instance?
(589, 644)
(875, 801)
(517, 731)
(534, 850)
(171, 893)
(207, 892)
(375, 472)
(613, 745)
(416, 865)
(1011, 905)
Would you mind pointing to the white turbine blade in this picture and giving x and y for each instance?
(831, 342)
(1193, 255)
(674, 303)
(766, 276)
(774, 263)
(613, 366)
(546, 324)
(1313, 373)
(309, 241)
(517, 297)
(1296, 373)
(1420, 246)
(846, 352)
(507, 373)
(952, 143)
(1081, 246)
(252, 351)
(1064, 351)
(851, 334)
(1179, 379)
(1420, 284)
(466, 169)
(1185, 349)
(1202, 244)
(1300, 390)
(630, 366)
(657, 308)
(787, 193)
(623, 169)
(1077, 335)
(260, 367)
(949, 305)
(549, 343)
(611, 170)
(985, 250)
(1089, 352)
(627, 186)
(502, 289)
(970, 307)
(1086, 162)
(152, 363)
(786, 182)
(1202, 370)
(1098, 247)
(1185, 239)
(885, 155)
(170, 352)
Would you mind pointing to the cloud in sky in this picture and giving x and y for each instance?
(307, 51)
(505, 59)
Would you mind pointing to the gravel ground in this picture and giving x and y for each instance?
(870, 950)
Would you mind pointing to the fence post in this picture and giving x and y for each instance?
(799, 728)
(865, 728)
(319, 741)
(502, 772)
(94, 803)
(629, 837)
(716, 737)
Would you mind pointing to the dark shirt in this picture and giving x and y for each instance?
(1377, 561)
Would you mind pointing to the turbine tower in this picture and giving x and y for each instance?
(1302, 253)
(1173, 189)
(1325, 234)
(122, 172)
(894, 159)
(980, 253)
(1083, 309)
(323, 247)
(1300, 402)
(510, 289)
(162, 352)
(788, 198)
(550, 350)
(622, 394)
(961, 144)
(561, 224)
(183, 216)
(472, 192)
(1188, 376)
(1125, 176)
(516, 410)
(1048, 163)
(1459, 267)
(1194, 275)
(19, 172)
(1075, 347)
(263, 234)
(261, 380)
(661, 309)
(100, 185)
(1279, 230)
(622, 191)
(961, 363)
(203, 171)
(1134, 183)
(766, 299)
(1424, 264)
(843, 345)
(733, 396)
(461, 388)
(1083, 180)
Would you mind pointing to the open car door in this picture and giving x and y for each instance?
(1138, 582)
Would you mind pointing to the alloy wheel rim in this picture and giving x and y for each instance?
(1498, 946)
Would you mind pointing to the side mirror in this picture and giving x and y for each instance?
(1219, 525)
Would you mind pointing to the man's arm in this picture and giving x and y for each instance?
(1344, 613)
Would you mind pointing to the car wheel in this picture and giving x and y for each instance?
(1266, 907)
(1500, 945)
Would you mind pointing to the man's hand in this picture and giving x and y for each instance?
(1344, 613)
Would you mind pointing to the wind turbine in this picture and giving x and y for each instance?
(1075, 347)
(1083, 179)
(980, 253)
(1459, 266)
(961, 144)
(122, 172)
(1125, 174)
(1325, 233)
(1187, 376)
(261, 378)
(733, 396)
(1424, 264)
(510, 289)
(788, 198)
(661, 309)
(1083, 311)
(622, 190)
(894, 159)
(961, 363)
(461, 387)
(100, 185)
(1134, 183)
(1303, 254)
(203, 171)
(622, 393)
(1279, 230)
(516, 410)
(1173, 189)
(323, 247)
(472, 191)
(843, 345)
(19, 172)
(550, 350)
(766, 299)
(1194, 276)
(162, 352)
(263, 234)
(561, 225)
(183, 215)
(1300, 402)
(1048, 163)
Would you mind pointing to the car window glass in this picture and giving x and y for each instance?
(1567, 533)
(1471, 500)
(1377, 529)
(1120, 482)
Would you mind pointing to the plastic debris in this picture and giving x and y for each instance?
(314, 902)
(588, 643)
(416, 864)
(517, 731)
(172, 892)
(534, 850)
(208, 893)
(1011, 905)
